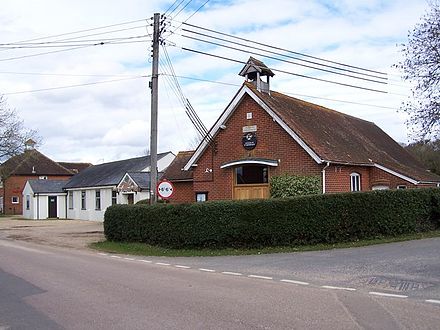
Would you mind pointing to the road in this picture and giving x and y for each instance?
(44, 287)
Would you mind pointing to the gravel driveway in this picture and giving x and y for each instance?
(64, 233)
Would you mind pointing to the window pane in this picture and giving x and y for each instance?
(251, 174)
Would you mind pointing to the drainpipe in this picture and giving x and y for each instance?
(38, 207)
(323, 177)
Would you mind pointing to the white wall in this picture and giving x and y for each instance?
(90, 213)
(39, 204)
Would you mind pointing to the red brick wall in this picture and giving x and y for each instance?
(337, 178)
(13, 186)
(380, 177)
(273, 143)
(183, 193)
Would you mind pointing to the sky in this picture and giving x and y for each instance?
(78, 72)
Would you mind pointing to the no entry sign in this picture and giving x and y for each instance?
(165, 189)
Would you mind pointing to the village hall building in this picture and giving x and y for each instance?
(262, 134)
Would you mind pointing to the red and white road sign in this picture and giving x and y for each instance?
(165, 189)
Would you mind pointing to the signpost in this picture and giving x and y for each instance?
(165, 189)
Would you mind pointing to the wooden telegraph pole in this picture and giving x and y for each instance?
(154, 106)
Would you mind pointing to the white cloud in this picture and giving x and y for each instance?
(111, 121)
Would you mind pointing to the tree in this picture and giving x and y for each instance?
(428, 153)
(13, 134)
(421, 65)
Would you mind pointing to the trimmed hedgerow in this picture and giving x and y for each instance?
(277, 222)
(285, 186)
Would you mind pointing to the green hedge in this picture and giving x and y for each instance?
(285, 186)
(277, 222)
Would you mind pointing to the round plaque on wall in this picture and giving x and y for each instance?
(249, 140)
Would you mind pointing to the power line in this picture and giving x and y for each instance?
(45, 53)
(71, 43)
(80, 31)
(284, 49)
(287, 61)
(175, 7)
(76, 85)
(296, 94)
(287, 72)
(281, 54)
(189, 1)
(66, 74)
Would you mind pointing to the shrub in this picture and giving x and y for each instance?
(285, 186)
(276, 222)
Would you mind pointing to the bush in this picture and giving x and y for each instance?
(285, 186)
(276, 222)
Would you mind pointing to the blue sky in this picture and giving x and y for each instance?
(109, 121)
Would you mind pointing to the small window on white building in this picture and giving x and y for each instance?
(15, 200)
(71, 200)
(401, 186)
(97, 200)
(83, 200)
(355, 182)
(114, 197)
(28, 202)
(201, 197)
(42, 177)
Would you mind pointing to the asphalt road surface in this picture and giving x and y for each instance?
(43, 287)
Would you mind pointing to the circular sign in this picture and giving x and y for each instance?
(249, 140)
(165, 189)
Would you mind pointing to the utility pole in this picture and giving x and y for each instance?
(154, 98)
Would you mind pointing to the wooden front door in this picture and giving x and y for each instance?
(130, 199)
(251, 182)
(52, 207)
(251, 191)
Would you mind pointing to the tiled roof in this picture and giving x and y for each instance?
(47, 186)
(109, 174)
(174, 171)
(143, 179)
(75, 167)
(33, 162)
(342, 138)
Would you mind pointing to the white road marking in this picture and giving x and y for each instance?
(433, 301)
(261, 277)
(103, 254)
(383, 294)
(295, 282)
(184, 267)
(131, 259)
(146, 261)
(337, 288)
(117, 257)
(232, 273)
(207, 270)
(162, 264)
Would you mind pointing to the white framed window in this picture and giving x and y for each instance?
(83, 200)
(114, 197)
(71, 200)
(201, 197)
(28, 202)
(355, 181)
(97, 200)
(15, 200)
(401, 186)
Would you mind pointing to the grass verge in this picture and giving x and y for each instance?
(148, 250)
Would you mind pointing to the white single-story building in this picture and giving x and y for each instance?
(87, 194)
(44, 199)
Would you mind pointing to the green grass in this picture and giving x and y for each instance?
(148, 250)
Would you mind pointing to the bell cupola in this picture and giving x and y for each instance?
(254, 71)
